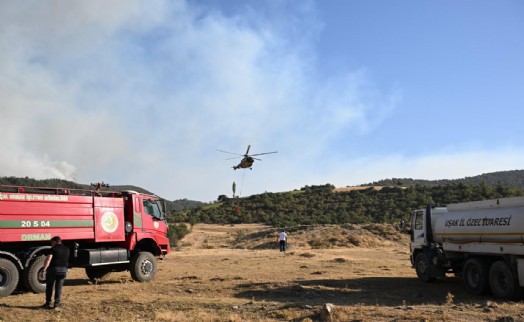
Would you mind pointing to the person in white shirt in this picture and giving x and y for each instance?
(282, 239)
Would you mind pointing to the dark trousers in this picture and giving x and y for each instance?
(282, 245)
(55, 277)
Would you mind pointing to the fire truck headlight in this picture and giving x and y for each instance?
(128, 227)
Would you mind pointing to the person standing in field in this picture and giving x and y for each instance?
(54, 272)
(282, 240)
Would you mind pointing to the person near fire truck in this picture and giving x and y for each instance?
(54, 272)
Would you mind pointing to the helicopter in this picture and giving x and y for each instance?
(247, 160)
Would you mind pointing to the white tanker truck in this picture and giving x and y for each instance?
(482, 241)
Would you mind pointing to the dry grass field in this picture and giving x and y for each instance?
(351, 188)
(235, 273)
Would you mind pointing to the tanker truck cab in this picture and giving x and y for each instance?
(479, 241)
(425, 253)
(421, 233)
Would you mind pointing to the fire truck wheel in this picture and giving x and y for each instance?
(476, 276)
(503, 282)
(31, 276)
(143, 267)
(8, 277)
(96, 273)
(423, 268)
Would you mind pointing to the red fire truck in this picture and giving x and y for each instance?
(106, 232)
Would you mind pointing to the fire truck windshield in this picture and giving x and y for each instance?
(152, 209)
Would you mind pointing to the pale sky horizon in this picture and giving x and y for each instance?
(347, 92)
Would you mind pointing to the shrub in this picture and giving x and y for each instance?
(176, 232)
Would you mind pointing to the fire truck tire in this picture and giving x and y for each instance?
(96, 273)
(476, 276)
(503, 282)
(31, 276)
(423, 268)
(8, 277)
(143, 266)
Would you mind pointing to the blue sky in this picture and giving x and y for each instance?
(347, 92)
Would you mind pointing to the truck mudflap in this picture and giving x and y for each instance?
(520, 270)
(164, 251)
(426, 265)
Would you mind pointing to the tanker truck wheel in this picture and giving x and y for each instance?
(143, 266)
(8, 277)
(423, 268)
(476, 276)
(31, 276)
(503, 283)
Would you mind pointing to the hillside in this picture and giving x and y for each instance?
(514, 179)
(327, 205)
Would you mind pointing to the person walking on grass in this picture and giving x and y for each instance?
(54, 272)
(282, 240)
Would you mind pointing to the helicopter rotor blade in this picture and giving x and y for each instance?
(234, 157)
(264, 153)
(257, 159)
(247, 152)
(230, 153)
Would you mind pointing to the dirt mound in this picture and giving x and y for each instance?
(325, 236)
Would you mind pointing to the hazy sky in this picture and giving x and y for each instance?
(347, 92)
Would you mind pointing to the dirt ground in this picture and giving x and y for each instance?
(235, 273)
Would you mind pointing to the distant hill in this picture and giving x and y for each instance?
(182, 204)
(384, 201)
(513, 179)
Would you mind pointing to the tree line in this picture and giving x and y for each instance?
(323, 205)
(512, 178)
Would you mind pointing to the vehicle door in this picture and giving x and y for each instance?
(153, 220)
(418, 238)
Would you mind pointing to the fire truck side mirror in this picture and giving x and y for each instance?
(163, 208)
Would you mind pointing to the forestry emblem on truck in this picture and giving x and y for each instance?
(109, 222)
